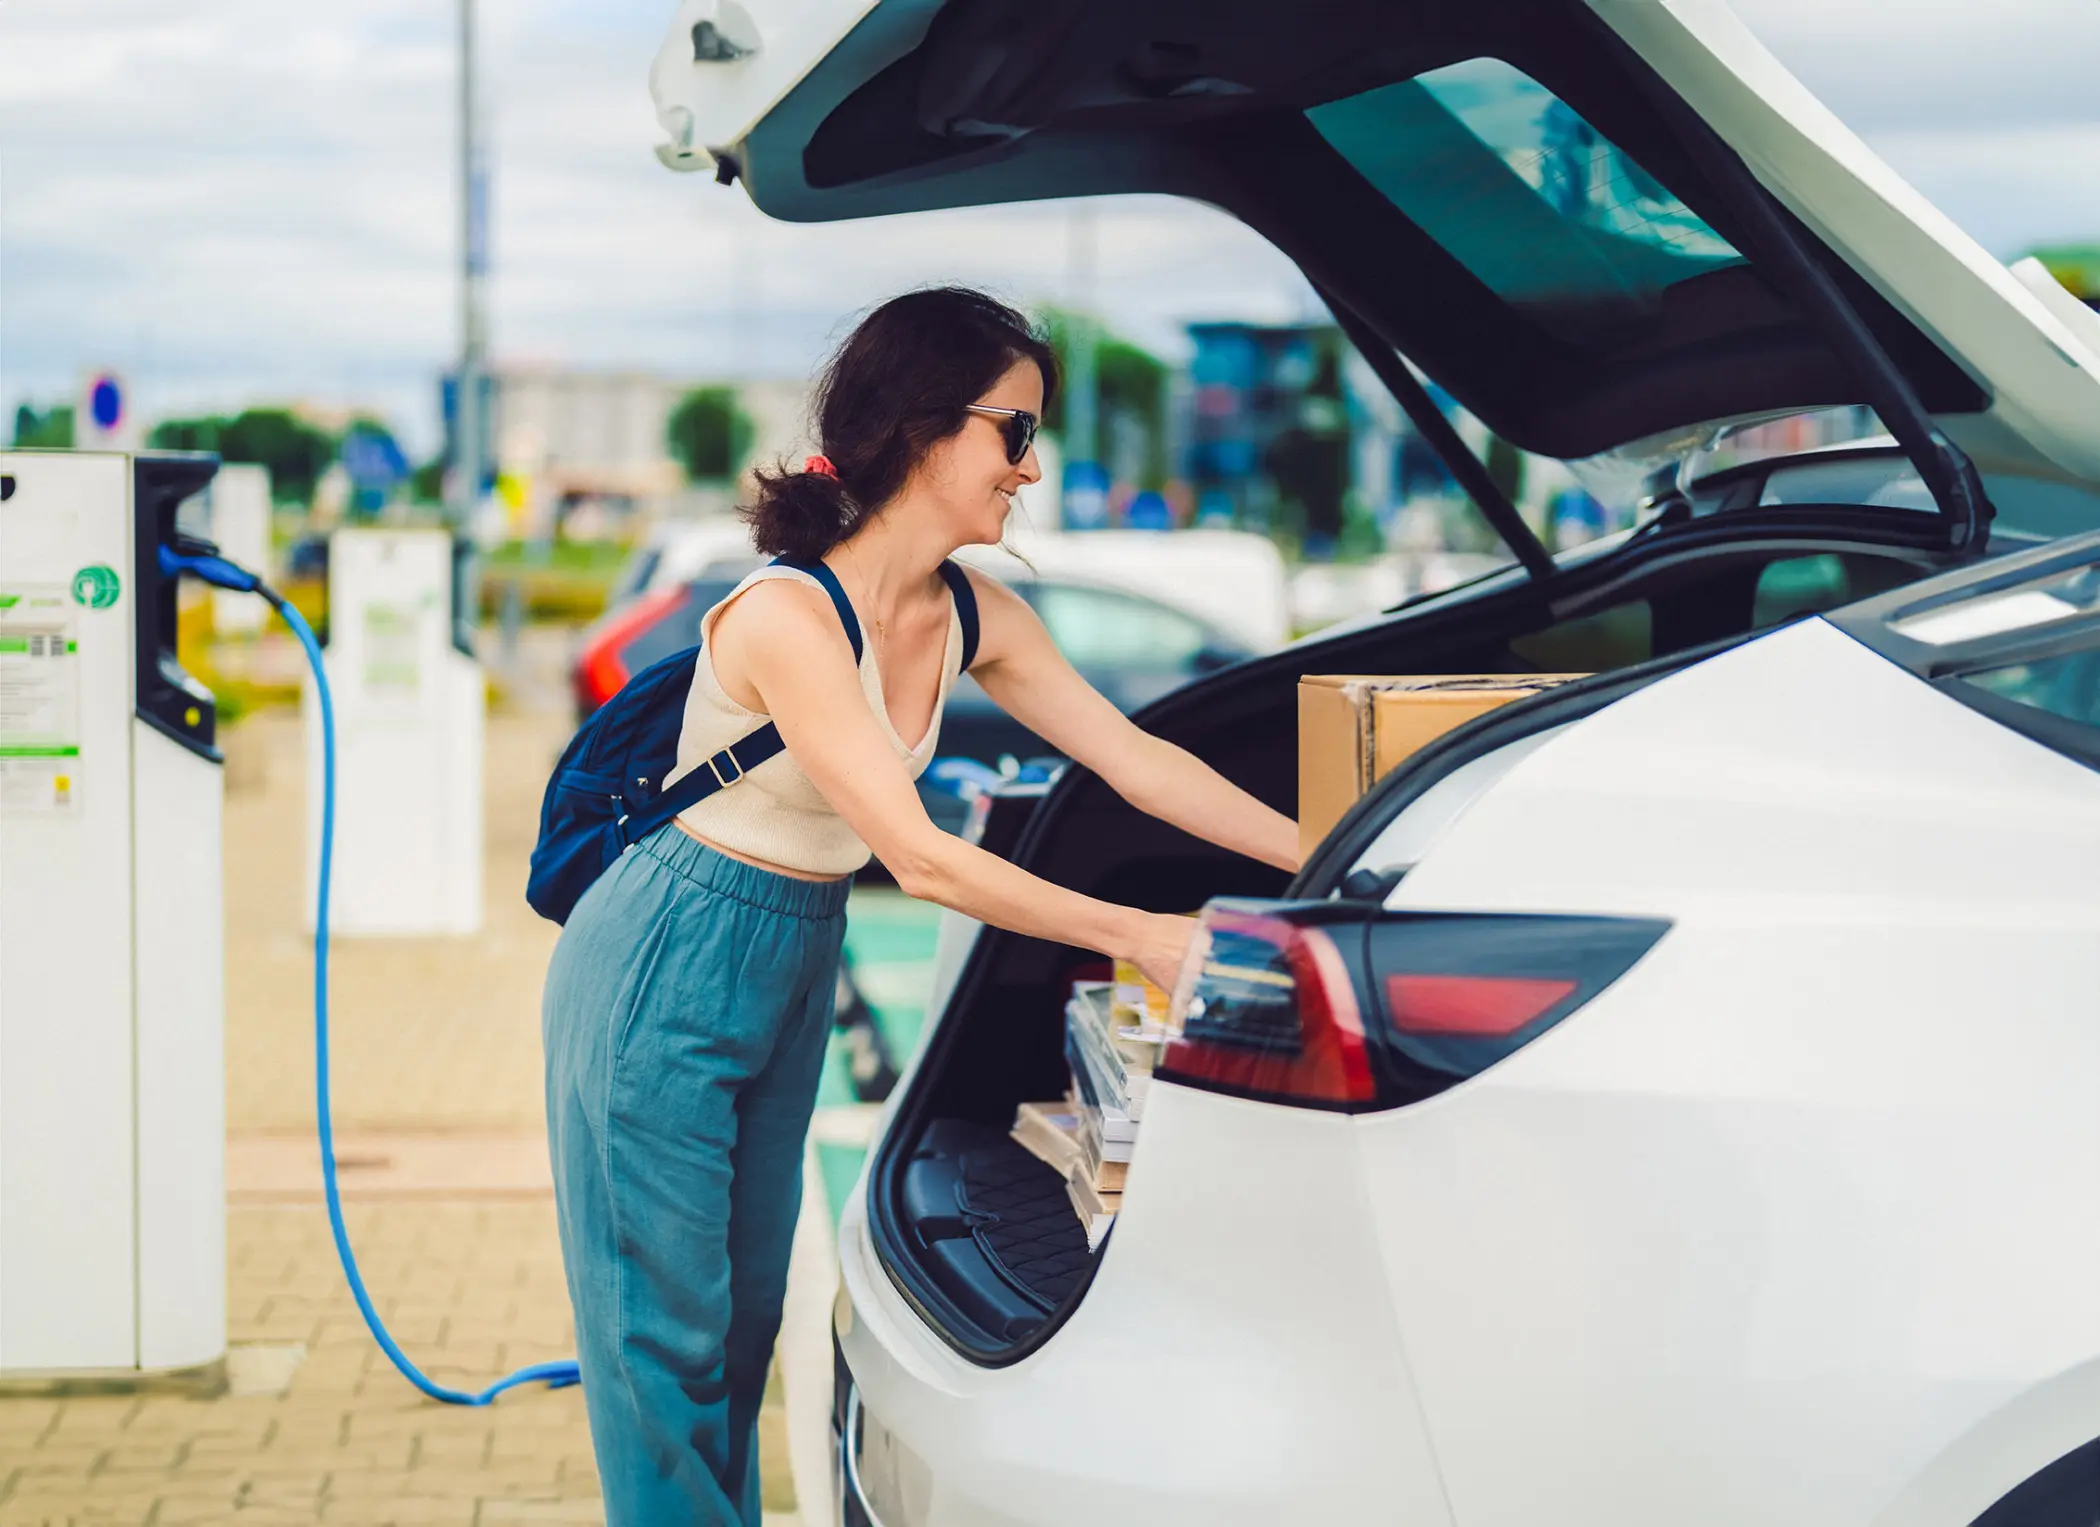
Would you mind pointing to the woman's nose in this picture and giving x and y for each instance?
(1031, 469)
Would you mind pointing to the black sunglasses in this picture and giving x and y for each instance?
(1018, 425)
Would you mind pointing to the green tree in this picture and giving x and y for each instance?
(296, 453)
(709, 434)
(50, 430)
(426, 485)
(1128, 380)
(1505, 467)
(186, 434)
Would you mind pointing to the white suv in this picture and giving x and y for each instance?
(1674, 1099)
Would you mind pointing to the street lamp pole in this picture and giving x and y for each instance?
(1081, 425)
(468, 425)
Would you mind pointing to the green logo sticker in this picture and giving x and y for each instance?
(96, 586)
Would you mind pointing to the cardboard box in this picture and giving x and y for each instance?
(1353, 729)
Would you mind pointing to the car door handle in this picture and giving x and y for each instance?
(849, 1454)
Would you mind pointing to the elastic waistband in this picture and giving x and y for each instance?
(709, 868)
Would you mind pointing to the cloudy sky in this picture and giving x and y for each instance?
(243, 200)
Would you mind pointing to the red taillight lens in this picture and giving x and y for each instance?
(1333, 1004)
(1268, 1008)
(1486, 1005)
(1464, 991)
(600, 668)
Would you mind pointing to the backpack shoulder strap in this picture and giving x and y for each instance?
(965, 598)
(752, 749)
(716, 773)
(829, 581)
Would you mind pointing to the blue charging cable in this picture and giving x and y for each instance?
(200, 560)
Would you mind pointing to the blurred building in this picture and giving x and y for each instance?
(585, 434)
(585, 453)
(1267, 432)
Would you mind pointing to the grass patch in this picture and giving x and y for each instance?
(564, 581)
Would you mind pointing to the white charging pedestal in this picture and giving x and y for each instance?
(112, 948)
(409, 715)
(240, 526)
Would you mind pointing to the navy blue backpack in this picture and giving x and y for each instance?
(607, 792)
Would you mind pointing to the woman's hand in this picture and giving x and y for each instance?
(1163, 941)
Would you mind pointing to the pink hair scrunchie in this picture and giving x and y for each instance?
(821, 465)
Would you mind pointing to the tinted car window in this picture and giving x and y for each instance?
(1810, 585)
(680, 626)
(2024, 651)
(1529, 197)
(1097, 628)
(2067, 685)
(635, 575)
(1612, 638)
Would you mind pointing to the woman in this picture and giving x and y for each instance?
(690, 997)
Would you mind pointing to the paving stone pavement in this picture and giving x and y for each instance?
(429, 1033)
(435, 1038)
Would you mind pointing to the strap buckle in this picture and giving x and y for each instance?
(714, 767)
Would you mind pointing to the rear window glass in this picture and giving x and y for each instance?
(1551, 216)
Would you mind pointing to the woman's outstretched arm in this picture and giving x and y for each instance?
(784, 637)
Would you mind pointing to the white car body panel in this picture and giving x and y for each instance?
(1791, 1209)
(1235, 1363)
(1792, 1223)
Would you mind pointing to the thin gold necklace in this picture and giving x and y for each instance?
(882, 645)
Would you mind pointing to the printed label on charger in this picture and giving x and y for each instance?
(393, 667)
(39, 701)
(97, 586)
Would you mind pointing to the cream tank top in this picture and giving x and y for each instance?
(774, 813)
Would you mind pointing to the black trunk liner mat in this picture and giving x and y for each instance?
(999, 1233)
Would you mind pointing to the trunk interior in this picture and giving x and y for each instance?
(975, 1231)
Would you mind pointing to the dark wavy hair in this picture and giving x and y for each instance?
(901, 383)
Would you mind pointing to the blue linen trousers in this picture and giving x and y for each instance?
(686, 1013)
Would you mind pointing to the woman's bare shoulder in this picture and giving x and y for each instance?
(778, 613)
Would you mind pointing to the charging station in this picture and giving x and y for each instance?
(410, 704)
(112, 952)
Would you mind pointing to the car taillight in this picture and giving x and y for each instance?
(1336, 1005)
(1267, 1006)
(1460, 991)
(601, 668)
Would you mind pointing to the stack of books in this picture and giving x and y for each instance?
(1113, 1033)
